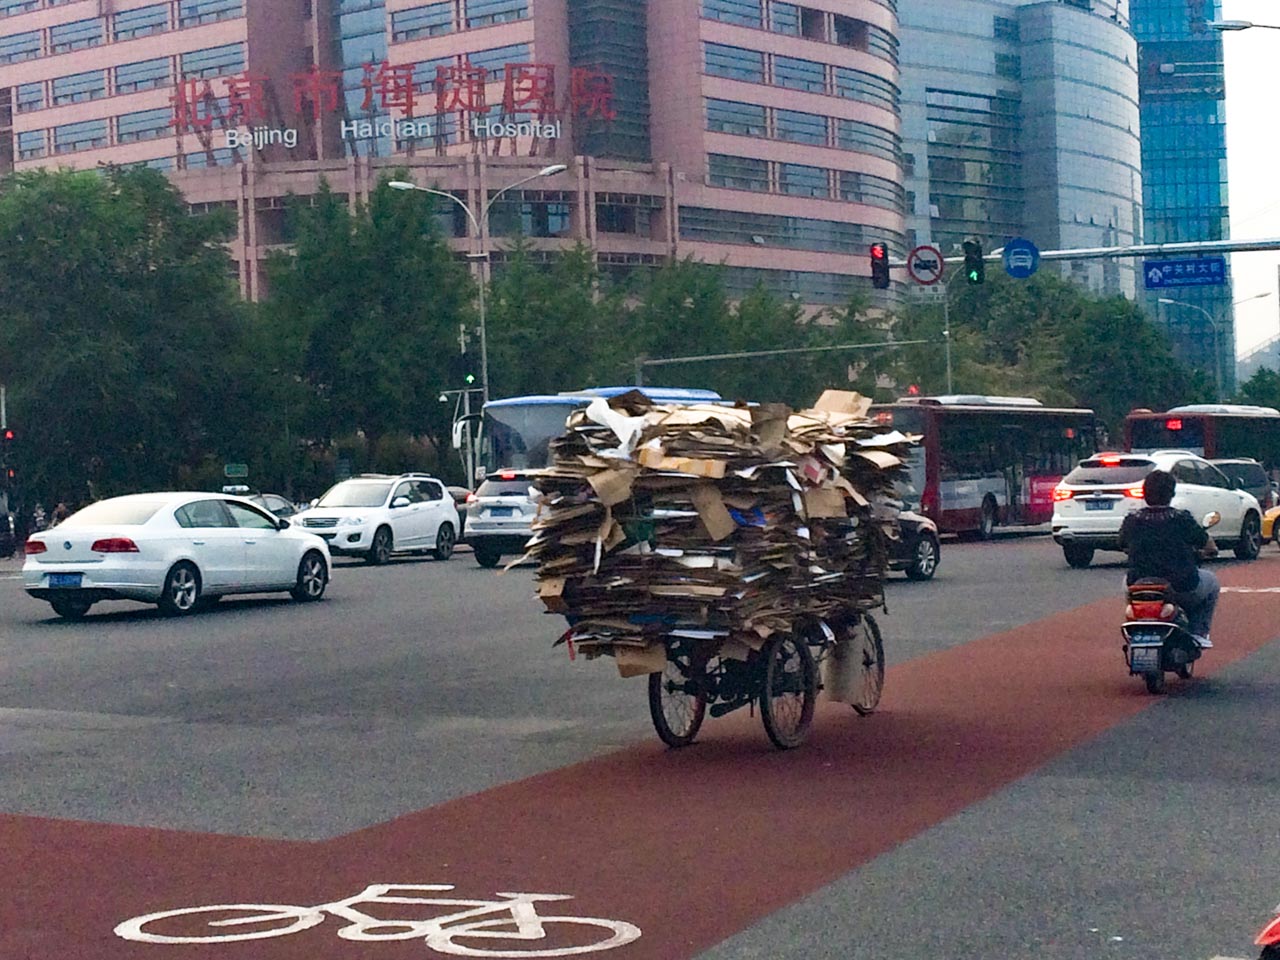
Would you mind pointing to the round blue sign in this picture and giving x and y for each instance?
(1021, 258)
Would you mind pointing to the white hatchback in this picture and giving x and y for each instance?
(178, 550)
(1092, 501)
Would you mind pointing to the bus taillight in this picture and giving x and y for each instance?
(929, 499)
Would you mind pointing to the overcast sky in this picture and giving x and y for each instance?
(1253, 138)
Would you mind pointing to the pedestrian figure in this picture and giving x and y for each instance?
(38, 519)
(60, 513)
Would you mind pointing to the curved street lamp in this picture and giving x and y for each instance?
(1213, 325)
(1231, 25)
(482, 233)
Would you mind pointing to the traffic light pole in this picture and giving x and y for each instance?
(1137, 250)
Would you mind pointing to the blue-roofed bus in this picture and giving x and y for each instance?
(516, 432)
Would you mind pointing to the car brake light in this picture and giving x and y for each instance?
(1109, 461)
(507, 475)
(114, 545)
(1135, 492)
(472, 498)
(34, 546)
(1061, 493)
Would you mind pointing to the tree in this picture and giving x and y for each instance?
(120, 319)
(365, 312)
(1262, 389)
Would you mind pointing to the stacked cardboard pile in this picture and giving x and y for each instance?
(714, 522)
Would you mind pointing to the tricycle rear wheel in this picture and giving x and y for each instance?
(790, 691)
(868, 647)
(677, 700)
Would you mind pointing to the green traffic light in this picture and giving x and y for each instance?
(470, 378)
(973, 276)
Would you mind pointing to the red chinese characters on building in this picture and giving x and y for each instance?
(321, 90)
(246, 98)
(392, 84)
(591, 93)
(462, 88)
(195, 105)
(530, 86)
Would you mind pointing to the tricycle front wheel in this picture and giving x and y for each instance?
(790, 691)
(677, 701)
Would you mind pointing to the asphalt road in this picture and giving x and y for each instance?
(1150, 833)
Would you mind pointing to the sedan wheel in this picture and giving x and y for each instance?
(181, 594)
(444, 542)
(924, 557)
(313, 577)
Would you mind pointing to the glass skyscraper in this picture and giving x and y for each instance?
(1184, 167)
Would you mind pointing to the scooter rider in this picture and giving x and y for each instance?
(1163, 543)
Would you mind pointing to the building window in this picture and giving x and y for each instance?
(800, 180)
(799, 127)
(30, 97)
(221, 157)
(784, 18)
(192, 13)
(733, 62)
(143, 125)
(31, 145)
(79, 86)
(429, 21)
(158, 163)
(813, 24)
(9, 8)
(737, 173)
(482, 13)
(877, 191)
(745, 13)
(867, 87)
(1008, 65)
(852, 33)
(141, 21)
(75, 36)
(213, 61)
(796, 233)
(79, 136)
(867, 138)
(726, 116)
(799, 74)
(1003, 28)
(143, 75)
(496, 59)
(19, 47)
(536, 218)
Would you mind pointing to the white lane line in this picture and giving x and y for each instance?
(1248, 590)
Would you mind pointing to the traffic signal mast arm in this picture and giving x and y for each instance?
(1138, 250)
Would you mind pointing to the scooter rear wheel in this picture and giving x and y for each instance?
(1154, 681)
(1185, 670)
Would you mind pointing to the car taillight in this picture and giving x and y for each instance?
(929, 499)
(507, 475)
(1061, 493)
(472, 498)
(34, 546)
(1135, 492)
(114, 545)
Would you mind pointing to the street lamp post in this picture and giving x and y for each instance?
(1213, 324)
(481, 227)
(1232, 25)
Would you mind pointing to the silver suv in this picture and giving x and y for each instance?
(500, 516)
(374, 515)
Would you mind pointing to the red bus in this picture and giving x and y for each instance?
(1212, 430)
(985, 461)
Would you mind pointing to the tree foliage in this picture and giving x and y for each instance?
(120, 319)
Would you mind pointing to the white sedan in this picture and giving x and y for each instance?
(179, 550)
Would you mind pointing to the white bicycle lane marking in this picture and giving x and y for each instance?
(513, 916)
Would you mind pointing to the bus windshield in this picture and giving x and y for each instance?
(519, 435)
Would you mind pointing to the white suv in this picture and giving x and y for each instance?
(1093, 499)
(374, 515)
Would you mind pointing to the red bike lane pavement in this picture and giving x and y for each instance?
(690, 846)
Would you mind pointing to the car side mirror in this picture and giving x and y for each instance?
(314, 501)
(283, 524)
(1211, 519)
(399, 502)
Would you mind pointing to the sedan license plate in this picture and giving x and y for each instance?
(65, 579)
(1098, 504)
(501, 511)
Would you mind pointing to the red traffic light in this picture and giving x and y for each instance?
(879, 251)
(8, 434)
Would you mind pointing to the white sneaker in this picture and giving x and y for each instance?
(1204, 643)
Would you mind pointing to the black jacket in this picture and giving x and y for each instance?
(1165, 543)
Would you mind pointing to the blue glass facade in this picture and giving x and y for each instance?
(1184, 165)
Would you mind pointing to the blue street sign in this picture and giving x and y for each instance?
(1021, 258)
(1203, 271)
